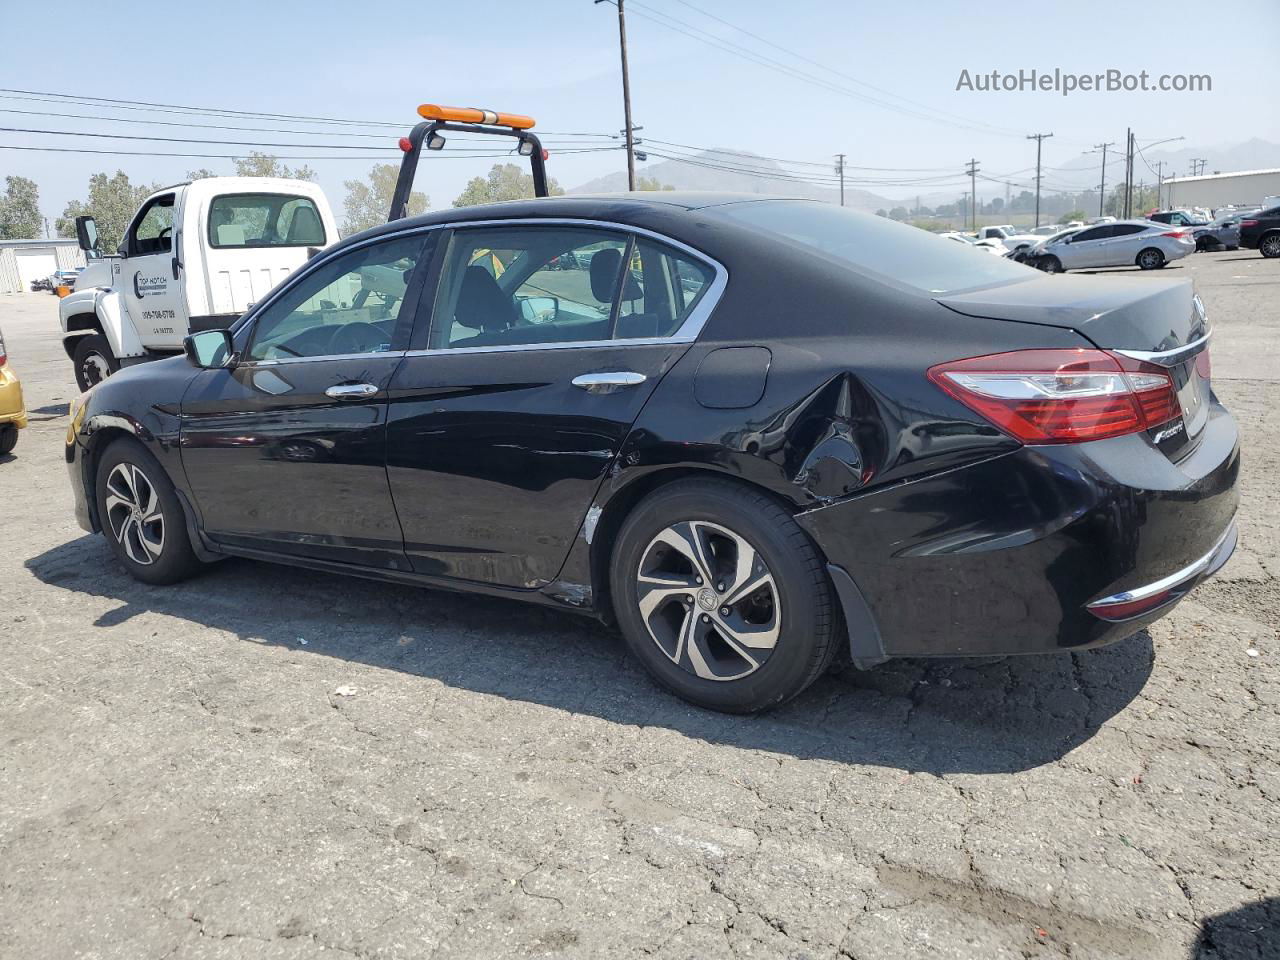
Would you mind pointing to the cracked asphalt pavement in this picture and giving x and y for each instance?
(266, 762)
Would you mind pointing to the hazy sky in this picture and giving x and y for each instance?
(558, 60)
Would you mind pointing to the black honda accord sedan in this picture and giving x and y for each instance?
(754, 433)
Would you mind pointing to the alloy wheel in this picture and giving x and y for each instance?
(1270, 247)
(1149, 259)
(134, 513)
(708, 600)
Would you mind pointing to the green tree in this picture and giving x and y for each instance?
(368, 203)
(112, 203)
(20, 210)
(652, 183)
(898, 213)
(506, 181)
(1071, 215)
(265, 165)
(203, 173)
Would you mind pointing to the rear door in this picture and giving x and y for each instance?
(545, 342)
(1122, 249)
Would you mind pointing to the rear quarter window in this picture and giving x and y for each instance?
(264, 220)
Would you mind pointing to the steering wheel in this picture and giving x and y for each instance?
(163, 233)
(356, 337)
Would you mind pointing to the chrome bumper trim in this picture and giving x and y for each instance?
(1209, 564)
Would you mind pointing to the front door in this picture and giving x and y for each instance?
(544, 344)
(148, 275)
(286, 451)
(1088, 248)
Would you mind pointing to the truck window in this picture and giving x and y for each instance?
(153, 230)
(264, 220)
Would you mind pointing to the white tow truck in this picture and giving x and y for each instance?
(195, 256)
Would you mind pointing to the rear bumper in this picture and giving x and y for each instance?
(12, 408)
(1005, 556)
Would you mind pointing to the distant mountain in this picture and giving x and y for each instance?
(696, 175)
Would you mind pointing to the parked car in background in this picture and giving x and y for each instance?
(1121, 244)
(1094, 221)
(62, 278)
(938, 453)
(1261, 231)
(1008, 235)
(1046, 230)
(13, 412)
(1031, 255)
(1222, 233)
(986, 246)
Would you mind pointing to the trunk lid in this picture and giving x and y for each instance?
(1157, 321)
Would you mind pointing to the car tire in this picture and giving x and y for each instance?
(1269, 246)
(8, 438)
(1050, 264)
(1149, 259)
(94, 360)
(1233, 248)
(756, 630)
(141, 516)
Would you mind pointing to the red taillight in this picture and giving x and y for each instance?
(1061, 396)
(406, 144)
(1118, 610)
(1176, 234)
(1248, 223)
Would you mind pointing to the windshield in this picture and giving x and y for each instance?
(891, 251)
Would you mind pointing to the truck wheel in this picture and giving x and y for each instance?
(93, 360)
(8, 438)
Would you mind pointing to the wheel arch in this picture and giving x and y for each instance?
(79, 324)
(615, 510)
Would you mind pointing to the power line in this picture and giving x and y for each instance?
(769, 63)
(240, 156)
(838, 73)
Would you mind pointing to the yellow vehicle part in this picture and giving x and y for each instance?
(12, 409)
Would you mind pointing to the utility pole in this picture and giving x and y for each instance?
(1102, 186)
(1159, 165)
(840, 171)
(972, 171)
(626, 95)
(1127, 205)
(1199, 164)
(1039, 138)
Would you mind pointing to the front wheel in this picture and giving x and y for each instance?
(1050, 264)
(141, 516)
(722, 597)
(1150, 259)
(1269, 246)
(94, 360)
(8, 438)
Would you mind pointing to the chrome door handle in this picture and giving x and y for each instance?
(351, 391)
(609, 382)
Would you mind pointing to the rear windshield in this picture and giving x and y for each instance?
(895, 252)
(264, 220)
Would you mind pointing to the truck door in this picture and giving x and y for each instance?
(149, 275)
(252, 242)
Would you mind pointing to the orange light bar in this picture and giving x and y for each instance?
(430, 111)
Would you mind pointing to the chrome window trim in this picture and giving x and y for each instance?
(1168, 358)
(687, 333)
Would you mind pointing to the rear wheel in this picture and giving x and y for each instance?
(8, 438)
(722, 597)
(1269, 246)
(94, 360)
(141, 516)
(1150, 259)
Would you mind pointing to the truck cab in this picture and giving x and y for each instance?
(194, 257)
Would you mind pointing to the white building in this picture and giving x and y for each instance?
(1243, 188)
(22, 261)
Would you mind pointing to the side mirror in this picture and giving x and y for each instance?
(539, 309)
(87, 235)
(209, 349)
(122, 251)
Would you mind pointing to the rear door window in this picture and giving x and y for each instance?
(264, 220)
(534, 285)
